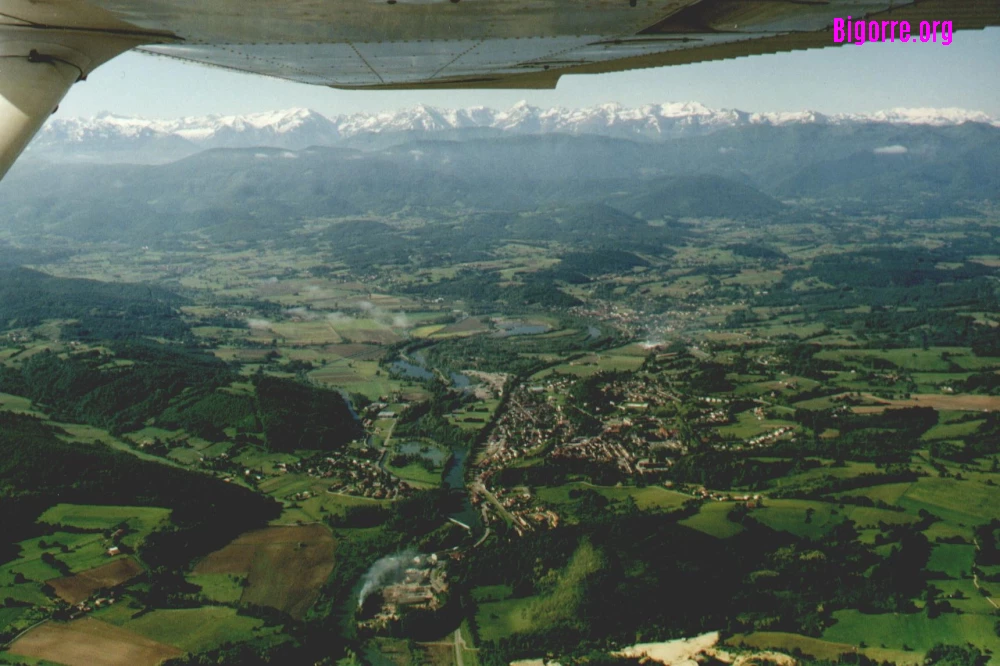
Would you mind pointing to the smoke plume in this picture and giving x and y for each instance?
(386, 571)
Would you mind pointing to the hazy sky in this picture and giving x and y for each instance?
(848, 79)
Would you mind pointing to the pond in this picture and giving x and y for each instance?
(417, 369)
(434, 454)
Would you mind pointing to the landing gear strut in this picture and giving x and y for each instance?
(37, 68)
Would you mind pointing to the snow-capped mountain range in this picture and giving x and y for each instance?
(115, 138)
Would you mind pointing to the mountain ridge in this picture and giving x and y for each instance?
(110, 137)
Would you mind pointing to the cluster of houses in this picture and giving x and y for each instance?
(348, 475)
(535, 424)
(750, 501)
(767, 438)
(634, 439)
(528, 424)
(518, 507)
(80, 609)
(24, 335)
(618, 316)
(604, 448)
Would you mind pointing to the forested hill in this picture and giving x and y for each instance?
(37, 470)
(169, 385)
(93, 310)
(118, 391)
(12, 256)
(135, 379)
(701, 196)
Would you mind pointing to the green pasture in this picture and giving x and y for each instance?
(488, 593)
(591, 364)
(915, 630)
(952, 430)
(789, 515)
(416, 474)
(955, 560)
(17, 404)
(961, 502)
(712, 519)
(748, 425)
(219, 588)
(141, 520)
(197, 629)
(650, 498)
(499, 619)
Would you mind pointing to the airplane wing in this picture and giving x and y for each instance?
(46, 45)
(499, 43)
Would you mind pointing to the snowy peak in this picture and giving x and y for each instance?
(290, 128)
(98, 137)
(935, 117)
(208, 129)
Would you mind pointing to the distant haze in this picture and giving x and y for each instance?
(249, 178)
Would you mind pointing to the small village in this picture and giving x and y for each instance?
(350, 475)
(356, 472)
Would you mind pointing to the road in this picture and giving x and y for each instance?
(385, 448)
(482, 539)
(478, 487)
(39, 623)
(459, 645)
(975, 578)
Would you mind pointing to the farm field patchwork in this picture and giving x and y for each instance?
(468, 434)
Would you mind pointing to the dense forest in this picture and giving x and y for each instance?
(96, 310)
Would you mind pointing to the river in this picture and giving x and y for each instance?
(453, 477)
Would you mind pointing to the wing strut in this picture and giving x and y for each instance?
(37, 68)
